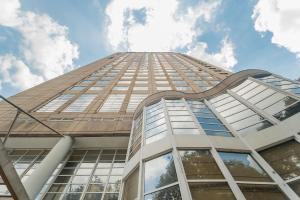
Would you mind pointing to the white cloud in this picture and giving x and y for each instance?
(224, 58)
(168, 26)
(16, 73)
(282, 19)
(45, 46)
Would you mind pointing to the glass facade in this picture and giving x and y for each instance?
(89, 174)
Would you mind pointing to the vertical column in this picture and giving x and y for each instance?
(39, 177)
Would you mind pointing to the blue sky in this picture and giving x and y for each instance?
(41, 39)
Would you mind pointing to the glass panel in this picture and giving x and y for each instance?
(243, 167)
(56, 103)
(165, 194)
(290, 111)
(159, 172)
(113, 103)
(284, 158)
(199, 164)
(295, 186)
(266, 192)
(80, 104)
(214, 191)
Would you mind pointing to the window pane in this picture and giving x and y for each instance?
(295, 185)
(215, 191)
(199, 164)
(284, 159)
(159, 172)
(80, 104)
(256, 192)
(165, 194)
(113, 103)
(56, 103)
(243, 167)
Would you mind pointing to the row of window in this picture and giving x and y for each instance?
(206, 177)
(182, 114)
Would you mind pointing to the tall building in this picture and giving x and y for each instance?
(153, 126)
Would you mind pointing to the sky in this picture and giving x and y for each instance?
(42, 39)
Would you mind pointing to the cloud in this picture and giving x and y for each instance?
(224, 58)
(166, 25)
(282, 19)
(45, 50)
(16, 73)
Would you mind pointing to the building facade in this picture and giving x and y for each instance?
(152, 126)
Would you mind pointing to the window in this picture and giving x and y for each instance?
(282, 83)
(155, 127)
(181, 122)
(120, 88)
(240, 117)
(159, 172)
(134, 101)
(80, 104)
(269, 100)
(113, 103)
(138, 88)
(284, 159)
(96, 88)
(136, 136)
(90, 174)
(168, 193)
(131, 186)
(255, 192)
(199, 164)
(78, 88)
(212, 190)
(162, 88)
(243, 167)
(208, 121)
(56, 103)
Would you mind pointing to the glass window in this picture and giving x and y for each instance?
(255, 192)
(56, 103)
(120, 88)
(284, 159)
(134, 101)
(159, 172)
(199, 164)
(240, 117)
(155, 127)
(168, 193)
(243, 167)
(208, 121)
(131, 186)
(78, 88)
(211, 191)
(295, 185)
(89, 175)
(80, 104)
(113, 103)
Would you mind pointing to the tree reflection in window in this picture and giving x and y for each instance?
(243, 167)
(159, 172)
(199, 164)
(165, 194)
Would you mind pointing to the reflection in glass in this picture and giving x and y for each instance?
(212, 191)
(295, 185)
(159, 172)
(284, 159)
(165, 194)
(199, 164)
(256, 192)
(243, 167)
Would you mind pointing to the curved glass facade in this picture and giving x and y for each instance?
(194, 147)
